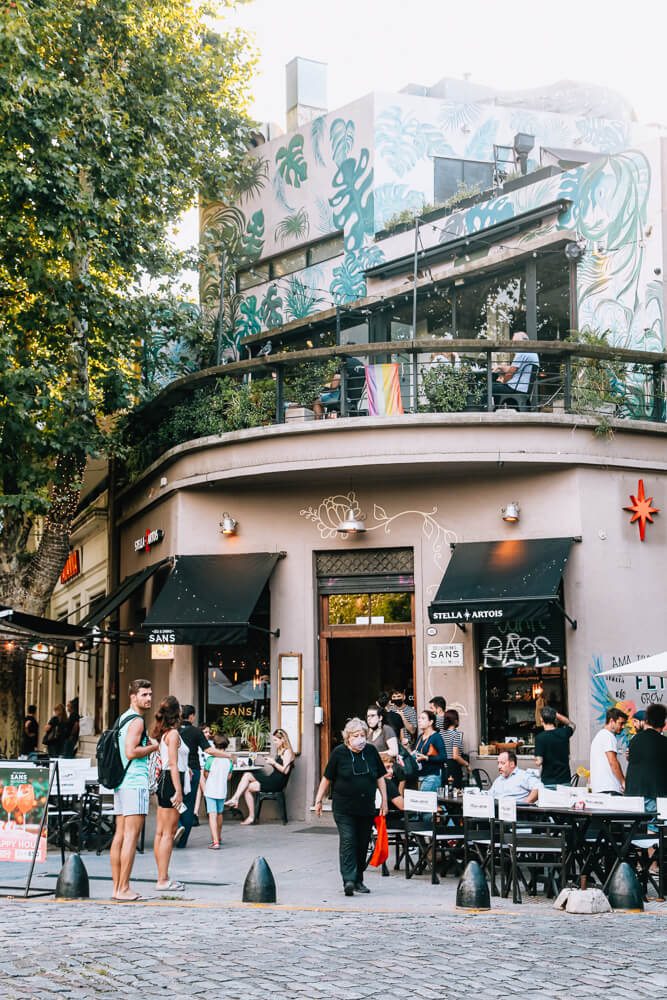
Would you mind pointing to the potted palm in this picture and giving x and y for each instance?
(254, 734)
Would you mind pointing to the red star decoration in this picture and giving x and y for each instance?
(641, 509)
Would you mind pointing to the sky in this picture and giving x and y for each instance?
(385, 44)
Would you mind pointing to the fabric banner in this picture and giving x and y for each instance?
(23, 797)
(383, 390)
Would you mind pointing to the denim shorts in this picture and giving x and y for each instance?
(330, 396)
(431, 783)
(214, 805)
(130, 801)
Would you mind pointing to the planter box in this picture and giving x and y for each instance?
(293, 413)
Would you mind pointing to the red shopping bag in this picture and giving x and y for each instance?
(381, 852)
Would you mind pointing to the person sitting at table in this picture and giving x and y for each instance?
(430, 753)
(393, 786)
(256, 781)
(606, 773)
(512, 782)
(514, 377)
(354, 374)
(552, 747)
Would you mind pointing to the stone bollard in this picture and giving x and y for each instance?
(73, 880)
(582, 901)
(472, 892)
(259, 885)
(624, 891)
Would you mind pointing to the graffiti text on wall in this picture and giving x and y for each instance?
(514, 650)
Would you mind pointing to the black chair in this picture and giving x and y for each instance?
(354, 390)
(480, 778)
(277, 797)
(518, 400)
(528, 856)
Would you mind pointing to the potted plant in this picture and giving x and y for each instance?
(254, 734)
(598, 384)
(231, 727)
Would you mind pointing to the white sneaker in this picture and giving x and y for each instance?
(180, 832)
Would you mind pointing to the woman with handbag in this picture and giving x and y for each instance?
(173, 784)
(355, 771)
(430, 752)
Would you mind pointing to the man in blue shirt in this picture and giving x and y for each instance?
(515, 377)
(512, 782)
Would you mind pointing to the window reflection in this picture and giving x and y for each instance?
(370, 609)
(494, 308)
(553, 297)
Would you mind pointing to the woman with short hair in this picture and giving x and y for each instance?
(173, 784)
(356, 772)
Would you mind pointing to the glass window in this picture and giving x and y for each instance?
(553, 297)
(252, 276)
(357, 334)
(288, 263)
(478, 175)
(326, 249)
(349, 609)
(387, 608)
(450, 175)
(494, 308)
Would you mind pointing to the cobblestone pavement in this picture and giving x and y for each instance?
(94, 949)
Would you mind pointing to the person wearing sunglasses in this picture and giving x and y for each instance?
(356, 772)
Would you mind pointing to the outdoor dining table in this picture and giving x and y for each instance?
(598, 855)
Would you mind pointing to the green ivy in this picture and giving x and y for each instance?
(448, 389)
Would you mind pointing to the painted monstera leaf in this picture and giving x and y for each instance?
(390, 199)
(401, 139)
(480, 146)
(300, 299)
(341, 137)
(252, 241)
(458, 116)
(248, 322)
(348, 282)
(271, 308)
(291, 164)
(353, 201)
(325, 222)
(600, 133)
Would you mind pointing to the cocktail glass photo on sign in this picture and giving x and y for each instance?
(23, 796)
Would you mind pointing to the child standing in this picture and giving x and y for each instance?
(217, 771)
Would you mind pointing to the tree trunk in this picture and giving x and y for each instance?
(12, 696)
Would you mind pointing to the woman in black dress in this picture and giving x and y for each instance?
(274, 781)
(356, 772)
(55, 732)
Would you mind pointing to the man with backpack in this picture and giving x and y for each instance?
(131, 794)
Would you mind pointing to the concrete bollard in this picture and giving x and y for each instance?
(582, 901)
(73, 880)
(259, 885)
(472, 892)
(624, 891)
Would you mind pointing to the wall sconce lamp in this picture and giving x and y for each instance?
(228, 524)
(511, 513)
(351, 525)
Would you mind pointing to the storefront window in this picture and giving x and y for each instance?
(522, 668)
(369, 609)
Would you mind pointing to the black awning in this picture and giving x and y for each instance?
(207, 600)
(121, 594)
(492, 581)
(46, 628)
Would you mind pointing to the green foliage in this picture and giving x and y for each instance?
(293, 227)
(291, 165)
(114, 118)
(304, 383)
(598, 385)
(300, 299)
(353, 201)
(448, 389)
(254, 734)
(226, 406)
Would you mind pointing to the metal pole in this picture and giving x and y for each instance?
(222, 308)
(414, 285)
(39, 832)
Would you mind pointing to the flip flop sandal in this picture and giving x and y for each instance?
(172, 887)
(135, 899)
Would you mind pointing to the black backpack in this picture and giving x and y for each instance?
(110, 768)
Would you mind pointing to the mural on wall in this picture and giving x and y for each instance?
(353, 169)
(629, 693)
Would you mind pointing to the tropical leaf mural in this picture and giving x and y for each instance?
(271, 308)
(401, 139)
(316, 136)
(252, 241)
(370, 254)
(300, 299)
(348, 282)
(253, 178)
(458, 116)
(293, 227)
(248, 322)
(603, 134)
(281, 193)
(341, 137)
(390, 199)
(290, 162)
(353, 201)
(325, 222)
(480, 146)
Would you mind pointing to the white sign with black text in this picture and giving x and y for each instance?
(445, 654)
